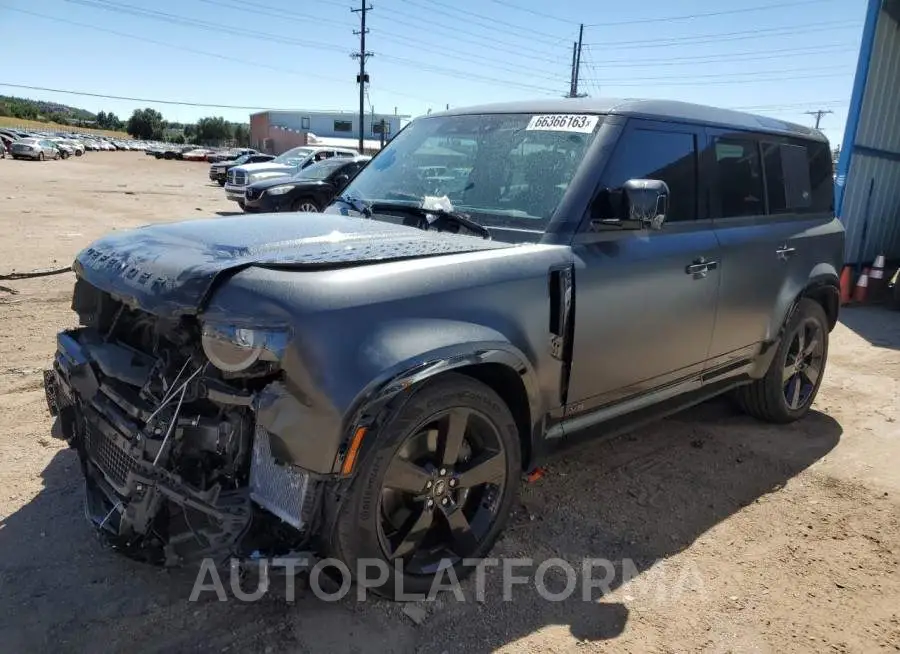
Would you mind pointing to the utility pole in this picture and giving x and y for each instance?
(362, 79)
(382, 132)
(576, 66)
(818, 113)
(572, 92)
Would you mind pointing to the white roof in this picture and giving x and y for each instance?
(338, 142)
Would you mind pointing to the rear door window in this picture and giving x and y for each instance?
(739, 174)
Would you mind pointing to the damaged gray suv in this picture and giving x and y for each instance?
(497, 283)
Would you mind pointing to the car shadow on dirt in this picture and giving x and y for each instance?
(879, 325)
(635, 501)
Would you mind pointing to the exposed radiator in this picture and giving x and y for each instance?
(279, 489)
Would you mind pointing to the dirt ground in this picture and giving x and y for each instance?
(744, 537)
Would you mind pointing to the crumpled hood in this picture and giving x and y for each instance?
(169, 269)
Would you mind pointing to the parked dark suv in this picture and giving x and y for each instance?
(371, 382)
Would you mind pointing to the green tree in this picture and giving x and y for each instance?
(213, 131)
(242, 135)
(146, 124)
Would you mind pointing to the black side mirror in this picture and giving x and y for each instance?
(647, 201)
(341, 180)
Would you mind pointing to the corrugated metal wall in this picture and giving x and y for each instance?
(877, 214)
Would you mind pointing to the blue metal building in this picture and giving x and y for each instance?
(867, 190)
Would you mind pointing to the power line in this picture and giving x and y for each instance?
(267, 10)
(256, 9)
(709, 14)
(488, 42)
(638, 21)
(492, 21)
(725, 57)
(664, 83)
(218, 28)
(731, 36)
(107, 96)
(215, 55)
(713, 76)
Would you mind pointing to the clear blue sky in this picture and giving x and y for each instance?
(292, 54)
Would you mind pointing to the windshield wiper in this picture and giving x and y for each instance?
(433, 215)
(356, 204)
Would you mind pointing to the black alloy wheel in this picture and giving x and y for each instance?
(434, 488)
(438, 498)
(803, 364)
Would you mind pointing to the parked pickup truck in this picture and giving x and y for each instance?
(286, 163)
(218, 172)
(371, 382)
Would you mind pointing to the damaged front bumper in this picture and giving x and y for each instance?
(148, 469)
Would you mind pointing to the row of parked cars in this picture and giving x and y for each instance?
(21, 144)
(305, 178)
(195, 153)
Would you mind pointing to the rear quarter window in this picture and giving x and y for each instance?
(798, 177)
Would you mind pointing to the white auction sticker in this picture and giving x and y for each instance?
(583, 123)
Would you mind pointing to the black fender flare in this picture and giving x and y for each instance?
(388, 391)
(823, 286)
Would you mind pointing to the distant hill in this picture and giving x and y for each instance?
(44, 111)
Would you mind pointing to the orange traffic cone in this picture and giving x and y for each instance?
(862, 286)
(846, 285)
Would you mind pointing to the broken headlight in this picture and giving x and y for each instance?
(233, 349)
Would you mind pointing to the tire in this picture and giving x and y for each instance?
(777, 397)
(362, 530)
(40, 156)
(305, 205)
(221, 182)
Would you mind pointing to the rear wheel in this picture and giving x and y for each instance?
(436, 488)
(790, 386)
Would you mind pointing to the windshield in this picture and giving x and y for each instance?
(293, 157)
(504, 170)
(241, 159)
(321, 169)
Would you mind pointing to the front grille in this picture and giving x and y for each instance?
(253, 193)
(240, 177)
(280, 489)
(230, 177)
(103, 450)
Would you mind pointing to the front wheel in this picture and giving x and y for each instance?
(305, 205)
(40, 156)
(221, 182)
(789, 387)
(435, 489)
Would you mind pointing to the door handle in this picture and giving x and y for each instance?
(700, 267)
(784, 252)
